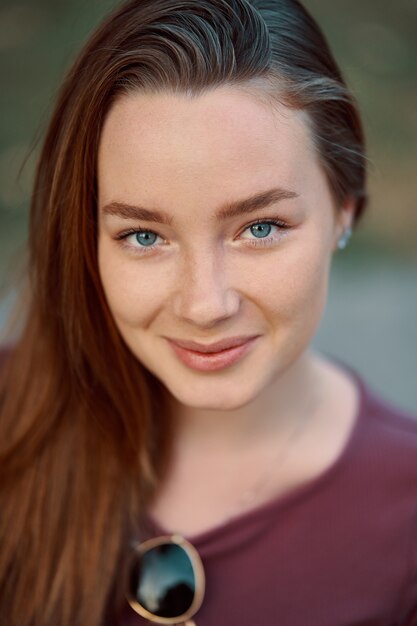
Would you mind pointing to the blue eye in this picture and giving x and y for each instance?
(261, 230)
(264, 232)
(141, 241)
(146, 237)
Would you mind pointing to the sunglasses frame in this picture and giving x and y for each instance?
(199, 577)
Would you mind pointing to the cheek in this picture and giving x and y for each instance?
(295, 289)
(134, 296)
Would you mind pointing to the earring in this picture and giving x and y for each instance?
(343, 241)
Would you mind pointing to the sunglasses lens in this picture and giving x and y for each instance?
(162, 580)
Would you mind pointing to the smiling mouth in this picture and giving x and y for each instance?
(214, 347)
(211, 361)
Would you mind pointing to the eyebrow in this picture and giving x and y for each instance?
(230, 209)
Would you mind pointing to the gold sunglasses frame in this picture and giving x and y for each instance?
(199, 577)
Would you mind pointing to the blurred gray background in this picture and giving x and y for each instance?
(371, 317)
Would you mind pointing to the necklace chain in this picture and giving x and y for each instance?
(253, 491)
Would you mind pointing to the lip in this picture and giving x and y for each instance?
(211, 361)
(217, 346)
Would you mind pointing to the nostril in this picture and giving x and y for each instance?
(207, 310)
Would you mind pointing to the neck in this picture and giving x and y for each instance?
(289, 397)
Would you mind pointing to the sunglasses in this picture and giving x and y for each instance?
(166, 581)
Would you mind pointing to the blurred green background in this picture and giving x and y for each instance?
(371, 318)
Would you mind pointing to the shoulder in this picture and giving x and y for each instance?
(384, 439)
(393, 426)
(386, 477)
(391, 438)
(394, 423)
(384, 454)
(377, 416)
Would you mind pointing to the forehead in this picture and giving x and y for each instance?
(224, 140)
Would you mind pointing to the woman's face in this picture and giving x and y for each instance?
(197, 274)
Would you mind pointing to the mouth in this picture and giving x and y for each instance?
(209, 360)
(216, 346)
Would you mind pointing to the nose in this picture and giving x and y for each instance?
(204, 296)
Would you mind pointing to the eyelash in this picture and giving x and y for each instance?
(265, 241)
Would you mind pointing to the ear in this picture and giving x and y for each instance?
(344, 219)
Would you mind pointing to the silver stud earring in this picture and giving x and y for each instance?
(343, 241)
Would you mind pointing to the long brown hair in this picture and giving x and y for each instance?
(85, 431)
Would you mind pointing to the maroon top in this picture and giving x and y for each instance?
(341, 550)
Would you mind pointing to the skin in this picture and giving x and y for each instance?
(203, 280)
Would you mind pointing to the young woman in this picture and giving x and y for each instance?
(172, 449)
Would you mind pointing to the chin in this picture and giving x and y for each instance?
(215, 397)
